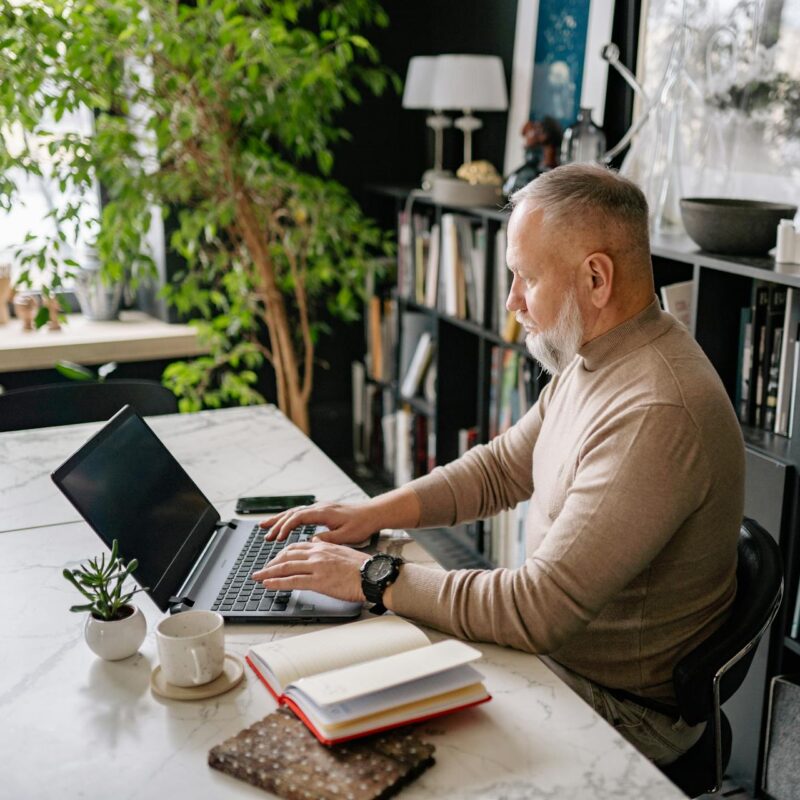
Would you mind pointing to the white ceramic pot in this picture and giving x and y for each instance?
(117, 639)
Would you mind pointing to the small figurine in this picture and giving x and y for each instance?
(6, 291)
(25, 307)
(542, 139)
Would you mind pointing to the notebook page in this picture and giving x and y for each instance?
(338, 646)
(393, 698)
(390, 670)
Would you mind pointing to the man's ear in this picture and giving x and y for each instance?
(598, 278)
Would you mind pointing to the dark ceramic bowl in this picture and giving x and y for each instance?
(734, 227)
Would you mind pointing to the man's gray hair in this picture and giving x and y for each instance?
(587, 195)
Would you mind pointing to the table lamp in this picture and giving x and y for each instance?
(469, 83)
(417, 94)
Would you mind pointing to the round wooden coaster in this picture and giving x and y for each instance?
(232, 674)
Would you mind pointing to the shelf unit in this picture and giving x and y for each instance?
(722, 285)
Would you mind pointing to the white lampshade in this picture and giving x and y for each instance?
(470, 82)
(419, 82)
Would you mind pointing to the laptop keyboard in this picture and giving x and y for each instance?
(239, 592)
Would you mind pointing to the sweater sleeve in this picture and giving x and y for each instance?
(487, 479)
(636, 481)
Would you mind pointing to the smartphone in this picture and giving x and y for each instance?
(272, 503)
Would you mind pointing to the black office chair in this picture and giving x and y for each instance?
(710, 674)
(69, 403)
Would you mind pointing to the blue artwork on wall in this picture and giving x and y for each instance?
(561, 34)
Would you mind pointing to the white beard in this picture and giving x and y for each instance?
(555, 348)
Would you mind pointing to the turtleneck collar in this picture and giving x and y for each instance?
(644, 327)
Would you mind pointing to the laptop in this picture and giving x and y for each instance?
(128, 486)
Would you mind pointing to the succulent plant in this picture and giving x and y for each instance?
(100, 581)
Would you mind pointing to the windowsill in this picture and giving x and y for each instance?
(135, 336)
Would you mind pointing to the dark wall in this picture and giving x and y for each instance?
(392, 145)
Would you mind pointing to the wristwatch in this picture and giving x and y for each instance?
(377, 573)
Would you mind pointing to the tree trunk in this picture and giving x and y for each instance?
(287, 373)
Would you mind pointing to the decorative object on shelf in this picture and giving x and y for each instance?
(583, 141)
(787, 247)
(718, 106)
(54, 310)
(417, 95)
(542, 140)
(6, 291)
(99, 297)
(557, 64)
(469, 83)
(477, 184)
(114, 628)
(26, 305)
(733, 227)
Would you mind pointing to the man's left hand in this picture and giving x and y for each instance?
(331, 569)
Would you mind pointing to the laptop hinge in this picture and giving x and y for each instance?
(183, 597)
(178, 604)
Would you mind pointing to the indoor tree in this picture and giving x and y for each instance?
(222, 115)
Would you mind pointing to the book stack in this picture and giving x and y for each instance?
(768, 358)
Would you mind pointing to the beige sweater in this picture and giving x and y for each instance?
(634, 463)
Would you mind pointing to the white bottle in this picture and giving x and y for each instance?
(785, 250)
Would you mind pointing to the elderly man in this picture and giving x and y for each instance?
(632, 459)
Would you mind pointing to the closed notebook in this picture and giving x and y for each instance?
(368, 676)
(279, 754)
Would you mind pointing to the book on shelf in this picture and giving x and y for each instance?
(467, 439)
(787, 371)
(432, 272)
(358, 384)
(773, 334)
(420, 361)
(375, 339)
(744, 363)
(505, 537)
(755, 397)
(677, 300)
(368, 676)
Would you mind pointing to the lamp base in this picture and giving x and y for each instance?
(430, 175)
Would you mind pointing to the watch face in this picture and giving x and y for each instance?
(379, 569)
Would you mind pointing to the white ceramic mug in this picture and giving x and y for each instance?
(191, 647)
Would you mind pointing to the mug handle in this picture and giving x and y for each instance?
(198, 670)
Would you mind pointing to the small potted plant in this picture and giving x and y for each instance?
(114, 629)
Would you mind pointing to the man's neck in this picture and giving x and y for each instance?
(612, 316)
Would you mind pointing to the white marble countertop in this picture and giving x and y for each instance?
(76, 726)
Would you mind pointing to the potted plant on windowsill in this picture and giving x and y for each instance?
(114, 629)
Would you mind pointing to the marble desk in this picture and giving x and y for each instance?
(75, 726)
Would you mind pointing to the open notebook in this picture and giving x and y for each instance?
(368, 676)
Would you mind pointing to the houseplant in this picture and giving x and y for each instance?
(114, 629)
(222, 115)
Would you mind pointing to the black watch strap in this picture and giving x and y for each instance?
(374, 589)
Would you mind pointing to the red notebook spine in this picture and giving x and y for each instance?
(263, 680)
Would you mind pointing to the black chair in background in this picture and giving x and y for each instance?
(710, 674)
(70, 403)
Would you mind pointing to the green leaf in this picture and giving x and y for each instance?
(73, 371)
(42, 317)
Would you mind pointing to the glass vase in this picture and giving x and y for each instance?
(583, 142)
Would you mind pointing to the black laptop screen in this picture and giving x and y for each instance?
(128, 486)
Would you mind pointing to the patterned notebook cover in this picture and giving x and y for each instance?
(281, 755)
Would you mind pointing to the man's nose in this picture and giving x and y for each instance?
(515, 300)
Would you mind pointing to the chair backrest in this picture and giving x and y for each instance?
(69, 403)
(759, 576)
